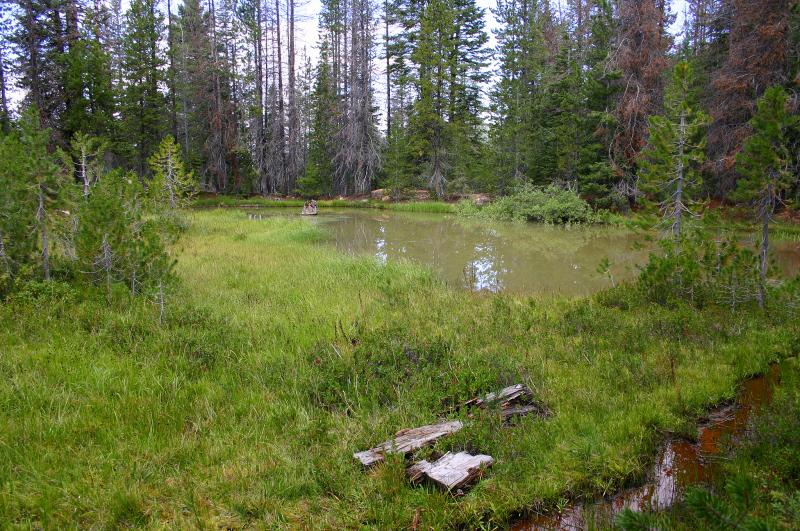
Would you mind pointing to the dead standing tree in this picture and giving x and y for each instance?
(641, 57)
(757, 59)
(358, 157)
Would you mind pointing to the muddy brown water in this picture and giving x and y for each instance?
(512, 257)
(680, 464)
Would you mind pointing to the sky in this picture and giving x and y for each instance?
(308, 10)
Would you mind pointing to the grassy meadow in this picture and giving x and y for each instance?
(435, 207)
(278, 358)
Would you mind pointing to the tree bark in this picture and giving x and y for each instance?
(767, 211)
(678, 212)
(280, 140)
(388, 72)
(42, 219)
(3, 100)
(173, 111)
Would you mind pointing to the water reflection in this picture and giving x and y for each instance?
(520, 258)
(680, 464)
(477, 256)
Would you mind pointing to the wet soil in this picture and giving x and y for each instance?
(681, 463)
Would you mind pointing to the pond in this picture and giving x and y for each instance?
(511, 257)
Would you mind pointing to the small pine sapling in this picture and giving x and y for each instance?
(765, 165)
(675, 150)
(87, 154)
(172, 185)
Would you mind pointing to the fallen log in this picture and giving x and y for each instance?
(407, 441)
(513, 401)
(451, 471)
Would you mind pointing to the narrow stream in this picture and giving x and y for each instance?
(680, 464)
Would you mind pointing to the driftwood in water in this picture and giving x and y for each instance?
(407, 441)
(513, 401)
(451, 471)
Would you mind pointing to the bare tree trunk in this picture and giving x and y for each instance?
(294, 158)
(160, 303)
(184, 102)
(767, 211)
(388, 71)
(258, 54)
(32, 52)
(4, 255)
(41, 217)
(84, 171)
(173, 112)
(217, 153)
(280, 118)
(171, 181)
(679, 207)
(3, 99)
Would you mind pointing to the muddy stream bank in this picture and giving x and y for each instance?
(680, 463)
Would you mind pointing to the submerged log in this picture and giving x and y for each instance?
(407, 441)
(451, 471)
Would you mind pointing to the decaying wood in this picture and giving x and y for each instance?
(521, 411)
(513, 401)
(451, 471)
(508, 395)
(407, 441)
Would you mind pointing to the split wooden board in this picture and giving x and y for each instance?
(407, 441)
(451, 471)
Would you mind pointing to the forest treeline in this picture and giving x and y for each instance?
(404, 93)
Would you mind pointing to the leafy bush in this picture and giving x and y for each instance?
(550, 204)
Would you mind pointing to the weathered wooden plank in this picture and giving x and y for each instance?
(508, 395)
(513, 401)
(407, 441)
(451, 471)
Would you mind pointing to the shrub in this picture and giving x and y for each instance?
(550, 204)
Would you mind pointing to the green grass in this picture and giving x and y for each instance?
(435, 207)
(278, 358)
(758, 484)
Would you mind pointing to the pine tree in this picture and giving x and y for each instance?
(35, 191)
(595, 173)
(87, 152)
(171, 185)
(89, 98)
(765, 166)
(142, 105)
(756, 45)
(440, 55)
(676, 148)
(318, 177)
(39, 44)
(524, 53)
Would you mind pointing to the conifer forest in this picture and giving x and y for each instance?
(400, 264)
